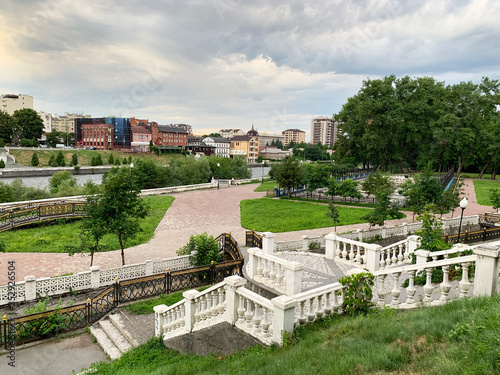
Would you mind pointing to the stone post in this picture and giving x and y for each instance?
(305, 242)
(189, 308)
(253, 262)
(384, 232)
(330, 245)
(159, 319)
(95, 277)
(30, 288)
(293, 278)
(360, 234)
(413, 243)
(405, 229)
(422, 256)
(373, 257)
(486, 276)
(268, 242)
(283, 317)
(149, 267)
(232, 300)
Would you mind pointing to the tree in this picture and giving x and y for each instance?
(6, 126)
(495, 198)
(425, 189)
(333, 187)
(74, 159)
(206, 247)
(349, 188)
(53, 138)
(316, 176)
(99, 159)
(431, 232)
(111, 159)
(289, 174)
(34, 160)
(60, 159)
(120, 206)
(376, 184)
(383, 210)
(52, 160)
(28, 123)
(333, 212)
(59, 179)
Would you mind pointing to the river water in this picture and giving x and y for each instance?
(42, 182)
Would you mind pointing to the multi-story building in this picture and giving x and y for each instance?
(230, 133)
(222, 145)
(10, 102)
(170, 136)
(198, 147)
(273, 153)
(47, 121)
(186, 127)
(247, 144)
(66, 123)
(105, 133)
(324, 130)
(265, 139)
(141, 136)
(293, 135)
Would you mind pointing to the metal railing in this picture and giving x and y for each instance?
(476, 236)
(253, 239)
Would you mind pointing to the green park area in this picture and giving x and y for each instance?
(460, 337)
(482, 189)
(53, 237)
(276, 215)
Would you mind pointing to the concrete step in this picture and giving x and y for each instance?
(105, 342)
(123, 324)
(115, 335)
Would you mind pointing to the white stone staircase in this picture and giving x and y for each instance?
(113, 336)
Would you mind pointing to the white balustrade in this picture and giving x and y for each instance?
(317, 303)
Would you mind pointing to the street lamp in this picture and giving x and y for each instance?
(262, 171)
(218, 165)
(463, 205)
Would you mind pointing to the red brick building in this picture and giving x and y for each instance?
(171, 136)
(99, 136)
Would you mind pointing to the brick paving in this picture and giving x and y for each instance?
(212, 211)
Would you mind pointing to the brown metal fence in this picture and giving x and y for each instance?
(252, 239)
(476, 236)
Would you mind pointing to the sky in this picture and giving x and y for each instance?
(218, 64)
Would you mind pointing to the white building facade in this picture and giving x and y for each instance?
(222, 145)
(10, 102)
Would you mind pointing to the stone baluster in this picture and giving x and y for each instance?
(410, 291)
(381, 290)
(335, 303)
(359, 258)
(256, 318)
(265, 267)
(319, 310)
(302, 316)
(181, 321)
(344, 250)
(328, 306)
(337, 250)
(342, 299)
(197, 310)
(383, 254)
(279, 276)
(351, 252)
(203, 310)
(265, 323)
(310, 313)
(428, 287)
(165, 322)
(396, 290)
(215, 309)
(401, 257)
(221, 306)
(241, 310)
(272, 273)
(445, 285)
(249, 313)
(394, 258)
(259, 266)
(464, 283)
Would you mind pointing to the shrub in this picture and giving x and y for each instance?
(111, 159)
(93, 161)
(34, 159)
(2, 164)
(60, 159)
(358, 293)
(74, 159)
(206, 247)
(60, 179)
(99, 159)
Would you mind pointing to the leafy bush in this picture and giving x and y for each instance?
(74, 159)
(206, 247)
(2, 164)
(60, 179)
(358, 293)
(60, 159)
(34, 159)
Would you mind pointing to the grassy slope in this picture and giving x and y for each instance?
(85, 156)
(284, 216)
(53, 238)
(482, 189)
(462, 337)
(267, 185)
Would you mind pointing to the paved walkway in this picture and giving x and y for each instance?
(195, 212)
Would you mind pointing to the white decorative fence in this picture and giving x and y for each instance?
(31, 287)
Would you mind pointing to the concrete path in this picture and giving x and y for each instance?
(195, 212)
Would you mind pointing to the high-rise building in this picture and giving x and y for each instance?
(294, 135)
(324, 130)
(10, 102)
(66, 123)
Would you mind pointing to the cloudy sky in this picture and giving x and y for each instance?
(230, 63)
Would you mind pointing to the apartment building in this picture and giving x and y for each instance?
(324, 130)
(293, 135)
(11, 102)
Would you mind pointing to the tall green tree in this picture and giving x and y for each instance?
(316, 176)
(34, 160)
(289, 174)
(333, 213)
(6, 126)
(376, 184)
(27, 124)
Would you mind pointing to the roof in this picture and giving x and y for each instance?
(242, 138)
(294, 130)
(171, 129)
(219, 139)
(252, 133)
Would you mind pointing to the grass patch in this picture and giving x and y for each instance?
(475, 175)
(54, 238)
(482, 189)
(284, 216)
(461, 337)
(266, 185)
(340, 203)
(146, 306)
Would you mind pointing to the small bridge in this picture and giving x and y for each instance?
(16, 215)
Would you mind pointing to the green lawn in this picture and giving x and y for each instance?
(54, 238)
(482, 189)
(461, 337)
(266, 185)
(276, 215)
(486, 176)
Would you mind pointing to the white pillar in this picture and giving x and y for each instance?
(149, 267)
(283, 317)
(486, 276)
(384, 230)
(305, 242)
(30, 288)
(232, 301)
(189, 308)
(253, 262)
(293, 278)
(405, 229)
(268, 242)
(360, 234)
(159, 319)
(373, 257)
(330, 244)
(413, 243)
(422, 256)
(95, 277)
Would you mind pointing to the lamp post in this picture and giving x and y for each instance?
(218, 166)
(463, 205)
(262, 171)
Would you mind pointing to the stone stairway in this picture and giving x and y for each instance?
(113, 335)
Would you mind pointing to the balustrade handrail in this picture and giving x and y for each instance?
(254, 297)
(421, 266)
(402, 242)
(330, 288)
(454, 250)
(283, 262)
